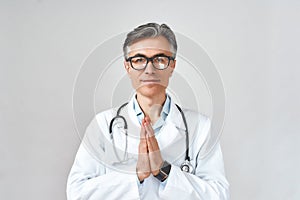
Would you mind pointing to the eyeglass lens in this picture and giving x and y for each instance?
(159, 62)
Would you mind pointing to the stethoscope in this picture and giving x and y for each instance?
(186, 166)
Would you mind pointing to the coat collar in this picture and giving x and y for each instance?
(174, 116)
(172, 131)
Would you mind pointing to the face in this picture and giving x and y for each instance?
(150, 81)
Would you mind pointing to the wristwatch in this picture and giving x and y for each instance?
(163, 171)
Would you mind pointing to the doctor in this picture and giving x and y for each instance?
(145, 162)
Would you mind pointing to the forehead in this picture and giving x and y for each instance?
(150, 46)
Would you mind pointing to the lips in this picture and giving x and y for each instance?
(150, 81)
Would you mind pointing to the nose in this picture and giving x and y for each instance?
(150, 69)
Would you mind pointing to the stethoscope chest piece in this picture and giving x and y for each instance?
(186, 166)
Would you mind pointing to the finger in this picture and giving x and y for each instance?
(151, 140)
(148, 127)
(143, 148)
(149, 136)
(152, 144)
(155, 159)
(149, 144)
(147, 119)
(143, 163)
(143, 132)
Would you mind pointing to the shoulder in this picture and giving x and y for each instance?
(99, 124)
(194, 116)
(101, 120)
(194, 113)
(106, 115)
(199, 125)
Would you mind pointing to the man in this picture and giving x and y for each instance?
(154, 147)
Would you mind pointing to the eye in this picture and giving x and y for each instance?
(138, 60)
(162, 60)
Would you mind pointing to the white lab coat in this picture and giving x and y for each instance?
(92, 176)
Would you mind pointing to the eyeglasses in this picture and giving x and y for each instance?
(140, 62)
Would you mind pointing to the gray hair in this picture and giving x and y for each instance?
(150, 30)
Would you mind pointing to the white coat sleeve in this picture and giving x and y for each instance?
(88, 178)
(208, 182)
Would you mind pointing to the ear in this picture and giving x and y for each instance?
(172, 66)
(126, 65)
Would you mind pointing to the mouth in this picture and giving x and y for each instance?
(150, 81)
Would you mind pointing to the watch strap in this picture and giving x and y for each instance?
(164, 171)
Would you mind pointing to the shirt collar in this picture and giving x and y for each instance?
(164, 113)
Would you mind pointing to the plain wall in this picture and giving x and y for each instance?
(254, 44)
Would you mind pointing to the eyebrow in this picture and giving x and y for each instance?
(139, 54)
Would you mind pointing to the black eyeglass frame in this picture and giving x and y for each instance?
(150, 59)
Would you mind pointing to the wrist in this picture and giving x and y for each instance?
(164, 171)
(156, 172)
(141, 180)
(141, 176)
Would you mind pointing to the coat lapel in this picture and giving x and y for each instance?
(171, 137)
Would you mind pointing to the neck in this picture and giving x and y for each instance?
(151, 105)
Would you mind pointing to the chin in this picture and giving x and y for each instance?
(151, 90)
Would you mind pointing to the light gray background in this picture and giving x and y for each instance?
(254, 44)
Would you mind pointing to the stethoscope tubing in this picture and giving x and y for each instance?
(186, 164)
